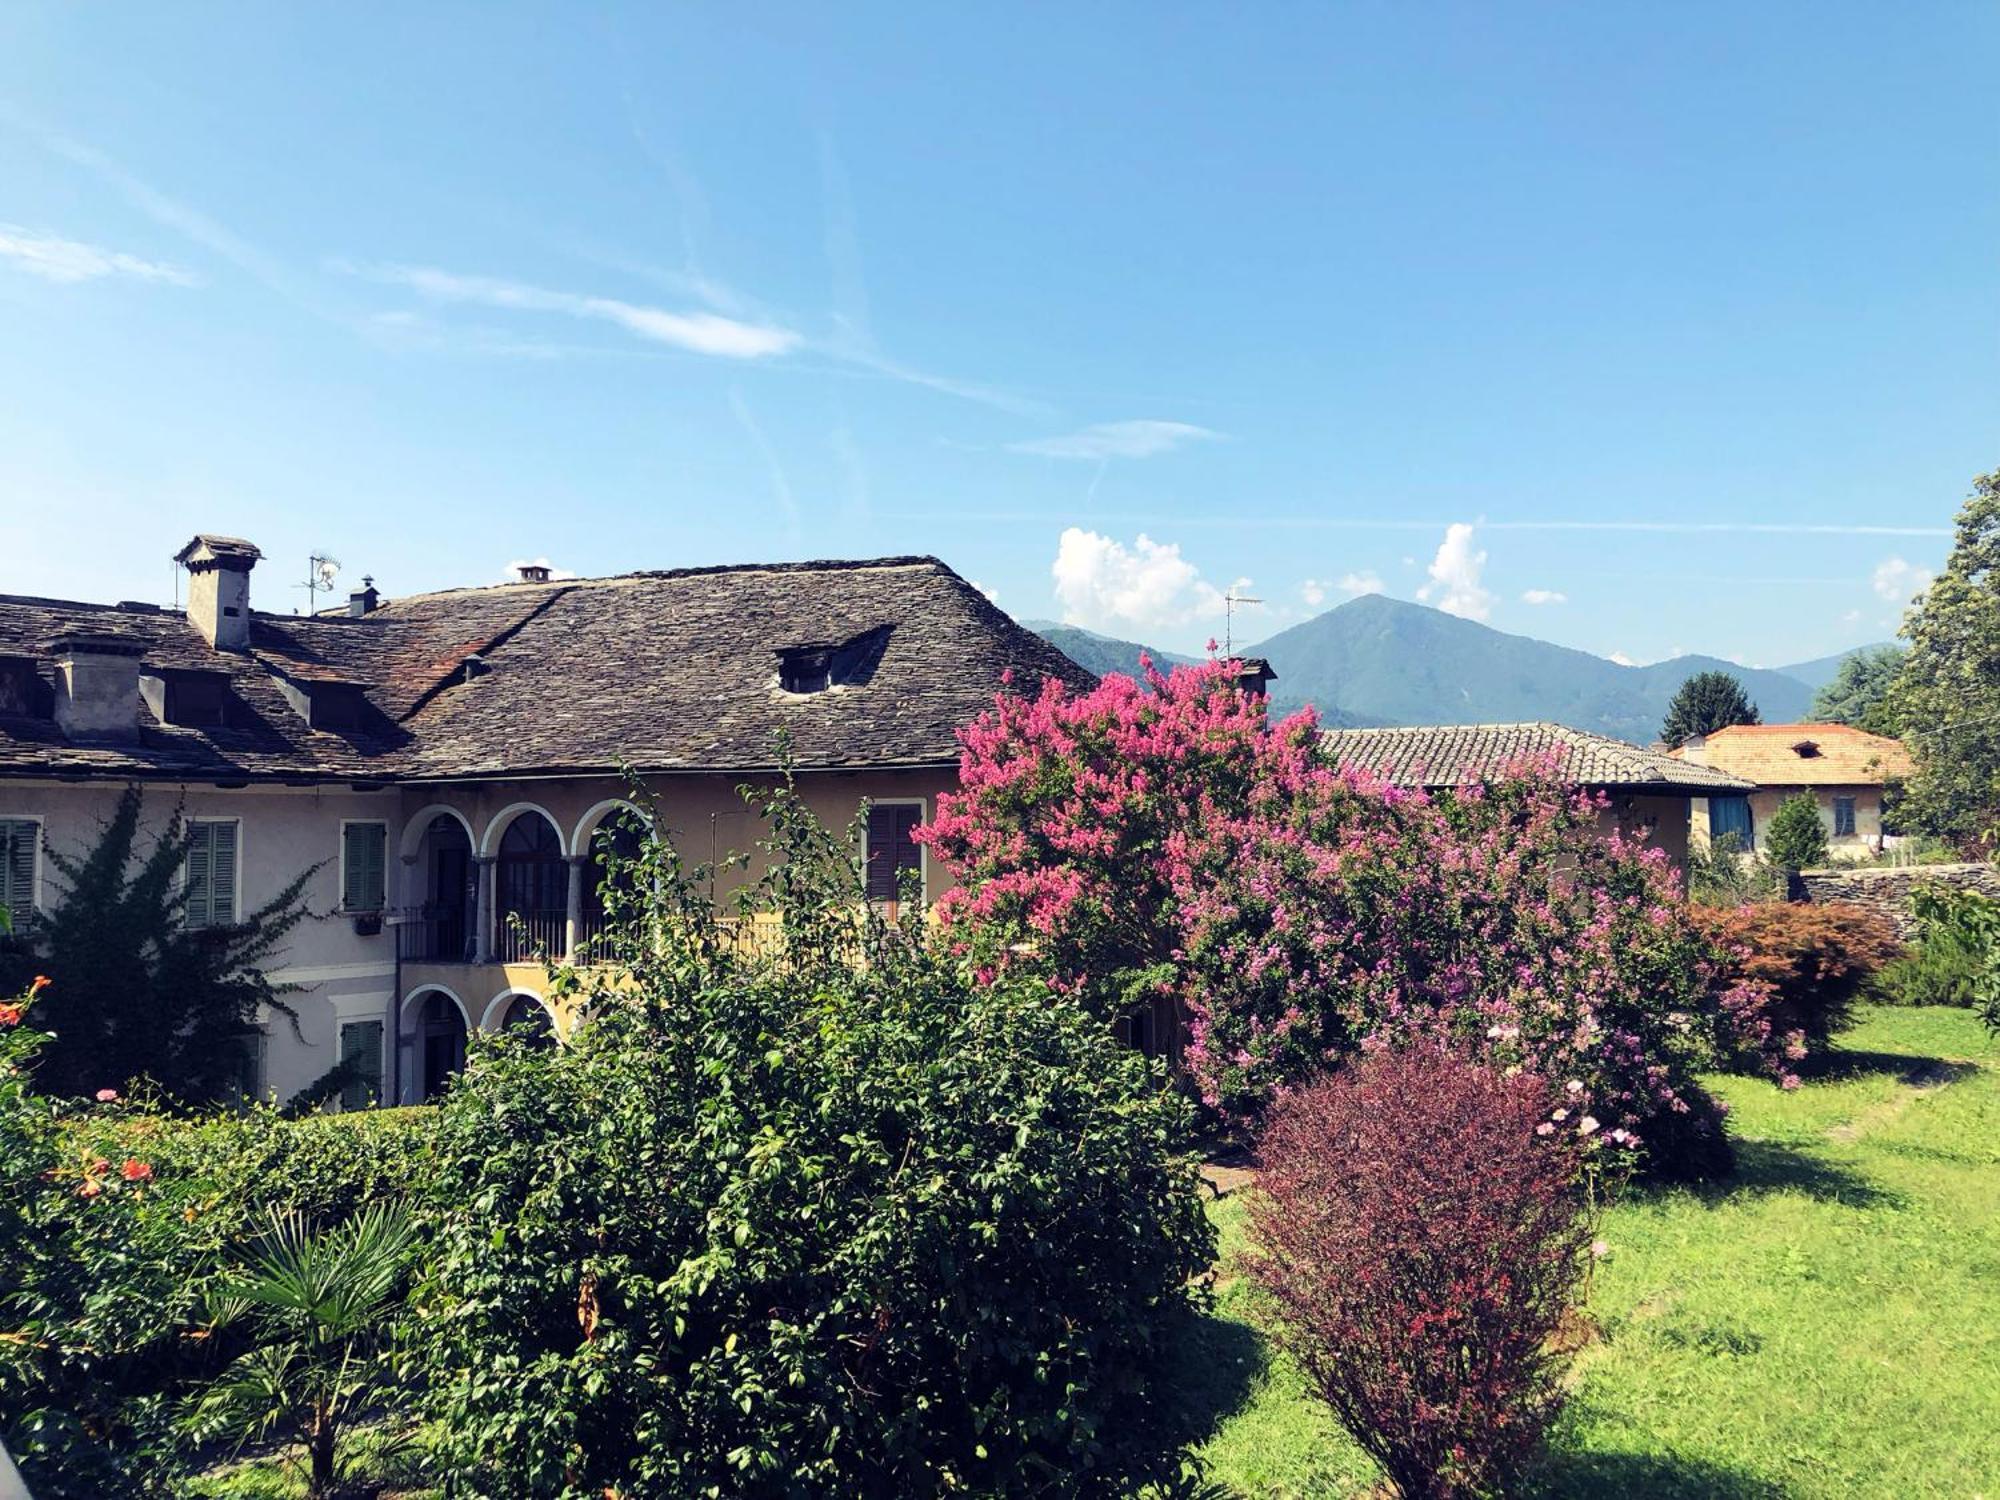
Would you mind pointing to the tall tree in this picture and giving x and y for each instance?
(1948, 693)
(1706, 702)
(1859, 692)
(143, 994)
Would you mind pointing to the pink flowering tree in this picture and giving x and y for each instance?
(1173, 841)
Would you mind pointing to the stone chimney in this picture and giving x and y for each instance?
(219, 589)
(97, 685)
(534, 572)
(1694, 749)
(363, 600)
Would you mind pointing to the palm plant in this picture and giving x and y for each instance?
(319, 1305)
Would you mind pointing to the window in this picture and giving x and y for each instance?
(197, 700)
(1843, 817)
(361, 1056)
(893, 849)
(336, 705)
(1730, 817)
(211, 873)
(250, 1065)
(20, 847)
(364, 849)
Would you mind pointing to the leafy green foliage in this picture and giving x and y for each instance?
(1796, 837)
(1721, 873)
(320, 1305)
(1859, 692)
(834, 1219)
(1947, 696)
(118, 1224)
(1706, 702)
(1963, 929)
(142, 994)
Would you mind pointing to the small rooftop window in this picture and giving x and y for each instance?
(22, 691)
(1806, 749)
(822, 665)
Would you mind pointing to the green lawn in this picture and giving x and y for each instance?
(1825, 1324)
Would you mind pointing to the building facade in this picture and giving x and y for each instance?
(1847, 771)
(449, 766)
(1646, 793)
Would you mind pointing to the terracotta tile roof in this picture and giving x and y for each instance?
(658, 671)
(1441, 755)
(1801, 755)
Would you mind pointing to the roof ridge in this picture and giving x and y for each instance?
(811, 565)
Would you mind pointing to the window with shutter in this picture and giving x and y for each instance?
(20, 846)
(893, 849)
(364, 866)
(1843, 817)
(211, 874)
(361, 1053)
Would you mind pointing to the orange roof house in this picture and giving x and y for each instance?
(1846, 770)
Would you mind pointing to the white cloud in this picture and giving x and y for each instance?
(1850, 617)
(1367, 581)
(1622, 659)
(1313, 592)
(55, 259)
(697, 332)
(1455, 575)
(992, 597)
(1896, 579)
(1138, 439)
(1544, 596)
(1100, 582)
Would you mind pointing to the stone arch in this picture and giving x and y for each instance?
(500, 822)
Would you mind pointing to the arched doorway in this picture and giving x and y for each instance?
(527, 1018)
(442, 932)
(615, 847)
(440, 1044)
(531, 906)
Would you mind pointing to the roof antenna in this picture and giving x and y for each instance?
(1229, 602)
(321, 570)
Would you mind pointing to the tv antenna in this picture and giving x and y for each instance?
(1229, 602)
(321, 570)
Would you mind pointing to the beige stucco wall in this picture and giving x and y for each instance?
(282, 832)
(344, 976)
(1765, 801)
(1662, 820)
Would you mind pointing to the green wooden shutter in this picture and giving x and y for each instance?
(211, 874)
(196, 912)
(361, 1050)
(364, 859)
(18, 848)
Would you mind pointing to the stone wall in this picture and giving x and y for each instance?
(1887, 890)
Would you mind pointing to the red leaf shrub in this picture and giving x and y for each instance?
(1799, 967)
(1421, 1243)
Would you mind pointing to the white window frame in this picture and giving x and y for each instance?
(236, 892)
(36, 876)
(922, 805)
(345, 909)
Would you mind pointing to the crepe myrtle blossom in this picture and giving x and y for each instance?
(1167, 838)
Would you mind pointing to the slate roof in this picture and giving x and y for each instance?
(659, 671)
(1443, 755)
(1773, 755)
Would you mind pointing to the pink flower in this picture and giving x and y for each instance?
(1586, 1125)
(1599, 1249)
(105, 1096)
(1573, 1087)
(1545, 1128)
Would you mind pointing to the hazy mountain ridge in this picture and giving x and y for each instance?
(1376, 660)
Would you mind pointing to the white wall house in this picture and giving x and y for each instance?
(448, 763)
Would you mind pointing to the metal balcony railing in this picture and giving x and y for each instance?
(522, 936)
(433, 934)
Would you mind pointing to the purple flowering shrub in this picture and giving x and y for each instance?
(1420, 1243)
(1177, 843)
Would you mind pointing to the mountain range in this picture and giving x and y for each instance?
(1377, 660)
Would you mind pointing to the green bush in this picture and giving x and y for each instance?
(842, 1219)
(118, 1223)
(1956, 957)
(1796, 838)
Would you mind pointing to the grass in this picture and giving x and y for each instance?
(1827, 1323)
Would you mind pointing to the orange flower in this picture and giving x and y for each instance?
(90, 1189)
(135, 1170)
(10, 1014)
(42, 982)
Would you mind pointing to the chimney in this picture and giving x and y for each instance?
(97, 685)
(219, 589)
(1695, 749)
(534, 572)
(364, 599)
(1254, 675)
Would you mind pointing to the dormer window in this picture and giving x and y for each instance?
(23, 694)
(822, 665)
(336, 705)
(1806, 749)
(195, 700)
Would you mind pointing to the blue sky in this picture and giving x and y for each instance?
(1638, 329)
